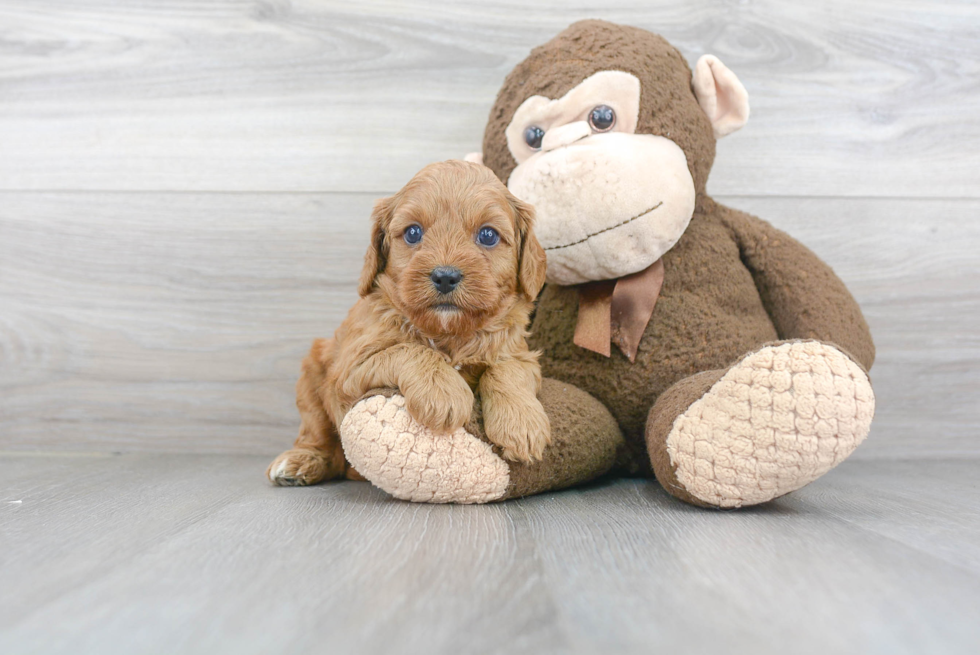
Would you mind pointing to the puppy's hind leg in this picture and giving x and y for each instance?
(316, 454)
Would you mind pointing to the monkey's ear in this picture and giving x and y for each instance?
(377, 252)
(532, 263)
(474, 157)
(721, 95)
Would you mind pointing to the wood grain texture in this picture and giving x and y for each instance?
(167, 316)
(875, 98)
(176, 322)
(198, 554)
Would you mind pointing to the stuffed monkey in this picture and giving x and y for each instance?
(683, 339)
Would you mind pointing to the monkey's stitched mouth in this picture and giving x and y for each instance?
(606, 229)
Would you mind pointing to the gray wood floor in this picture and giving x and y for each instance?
(146, 553)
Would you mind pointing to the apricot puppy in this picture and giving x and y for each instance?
(446, 292)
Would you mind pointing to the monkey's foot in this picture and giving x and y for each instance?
(777, 420)
(399, 455)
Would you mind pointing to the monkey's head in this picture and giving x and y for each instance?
(605, 132)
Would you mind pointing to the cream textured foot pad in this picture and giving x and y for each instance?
(776, 421)
(407, 460)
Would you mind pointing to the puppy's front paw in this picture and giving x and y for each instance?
(521, 428)
(442, 404)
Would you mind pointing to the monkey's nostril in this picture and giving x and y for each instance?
(445, 278)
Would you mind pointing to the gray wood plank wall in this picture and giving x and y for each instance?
(184, 190)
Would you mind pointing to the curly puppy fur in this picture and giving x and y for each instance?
(436, 348)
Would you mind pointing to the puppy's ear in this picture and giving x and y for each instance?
(377, 252)
(532, 264)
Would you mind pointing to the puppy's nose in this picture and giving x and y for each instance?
(445, 278)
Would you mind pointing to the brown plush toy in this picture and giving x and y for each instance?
(682, 338)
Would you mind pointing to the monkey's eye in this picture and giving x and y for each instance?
(533, 136)
(602, 118)
(488, 237)
(413, 234)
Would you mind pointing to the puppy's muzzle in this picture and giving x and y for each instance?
(446, 278)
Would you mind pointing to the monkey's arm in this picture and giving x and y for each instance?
(804, 298)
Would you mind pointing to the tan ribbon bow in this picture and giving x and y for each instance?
(617, 311)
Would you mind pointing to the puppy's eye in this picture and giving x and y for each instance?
(488, 237)
(533, 136)
(413, 234)
(602, 118)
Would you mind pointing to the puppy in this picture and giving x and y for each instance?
(446, 292)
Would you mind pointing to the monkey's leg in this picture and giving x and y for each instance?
(777, 420)
(316, 454)
(405, 459)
